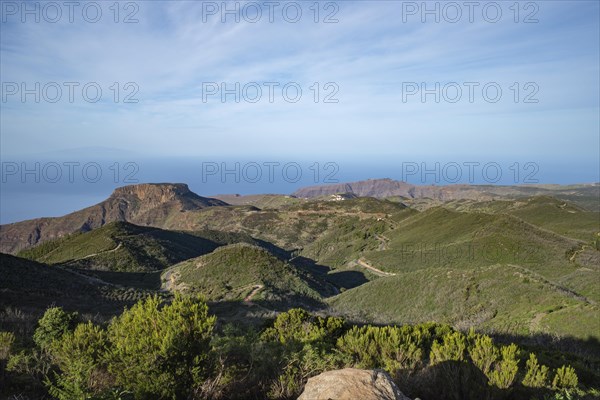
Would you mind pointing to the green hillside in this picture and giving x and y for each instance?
(28, 288)
(241, 271)
(561, 217)
(502, 298)
(121, 246)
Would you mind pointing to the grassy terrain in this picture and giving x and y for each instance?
(121, 246)
(234, 272)
(546, 212)
(27, 288)
(499, 297)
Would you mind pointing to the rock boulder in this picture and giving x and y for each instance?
(352, 384)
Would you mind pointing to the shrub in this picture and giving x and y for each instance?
(536, 376)
(161, 351)
(54, 323)
(297, 325)
(7, 340)
(565, 378)
(298, 366)
(484, 353)
(505, 371)
(304, 349)
(34, 363)
(79, 356)
(391, 348)
(452, 348)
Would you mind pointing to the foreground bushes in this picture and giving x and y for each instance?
(174, 351)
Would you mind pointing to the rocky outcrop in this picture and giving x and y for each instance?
(148, 204)
(352, 384)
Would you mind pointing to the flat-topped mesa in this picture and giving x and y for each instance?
(157, 198)
(161, 192)
(147, 204)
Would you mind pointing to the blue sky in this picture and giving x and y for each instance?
(369, 54)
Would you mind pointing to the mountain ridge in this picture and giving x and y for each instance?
(163, 205)
(386, 187)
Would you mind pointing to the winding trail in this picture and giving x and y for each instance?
(248, 299)
(576, 253)
(103, 252)
(371, 268)
(383, 241)
(535, 322)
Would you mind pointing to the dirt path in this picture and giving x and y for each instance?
(248, 299)
(576, 253)
(383, 241)
(376, 271)
(535, 322)
(103, 252)
(167, 280)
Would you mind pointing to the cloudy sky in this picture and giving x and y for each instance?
(375, 52)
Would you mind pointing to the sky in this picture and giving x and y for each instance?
(369, 85)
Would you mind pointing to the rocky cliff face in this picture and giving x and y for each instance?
(144, 204)
(157, 192)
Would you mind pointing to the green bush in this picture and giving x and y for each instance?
(452, 348)
(536, 376)
(304, 348)
(504, 372)
(298, 366)
(297, 325)
(31, 365)
(391, 348)
(79, 356)
(7, 340)
(565, 378)
(161, 351)
(54, 323)
(484, 353)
